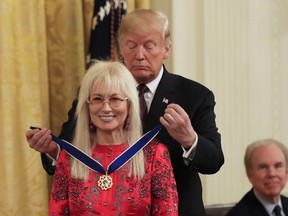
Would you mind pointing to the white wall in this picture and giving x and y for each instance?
(238, 49)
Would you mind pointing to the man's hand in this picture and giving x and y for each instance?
(177, 123)
(41, 140)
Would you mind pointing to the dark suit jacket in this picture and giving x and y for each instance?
(198, 102)
(249, 205)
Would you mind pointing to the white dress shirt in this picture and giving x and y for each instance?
(269, 206)
(188, 155)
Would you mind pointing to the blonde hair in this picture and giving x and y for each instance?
(112, 75)
(147, 21)
(260, 143)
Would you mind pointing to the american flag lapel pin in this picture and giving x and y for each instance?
(165, 100)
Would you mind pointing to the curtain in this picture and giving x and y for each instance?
(41, 63)
(23, 101)
(43, 45)
(66, 56)
(134, 4)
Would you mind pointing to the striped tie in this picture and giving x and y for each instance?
(277, 210)
(142, 89)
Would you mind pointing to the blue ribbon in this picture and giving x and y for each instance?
(133, 150)
(79, 155)
(115, 164)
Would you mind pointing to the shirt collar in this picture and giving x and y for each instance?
(154, 83)
(268, 206)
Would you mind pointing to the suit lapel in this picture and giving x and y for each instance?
(256, 207)
(164, 92)
(284, 201)
(259, 209)
(163, 96)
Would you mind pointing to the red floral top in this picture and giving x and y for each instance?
(154, 194)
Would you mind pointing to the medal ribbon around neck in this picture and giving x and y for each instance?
(106, 180)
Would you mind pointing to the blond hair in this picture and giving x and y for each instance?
(260, 143)
(147, 21)
(112, 75)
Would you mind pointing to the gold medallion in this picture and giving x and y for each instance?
(105, 182)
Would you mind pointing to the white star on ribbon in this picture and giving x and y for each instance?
(101, 13)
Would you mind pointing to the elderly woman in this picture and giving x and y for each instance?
(108, 123)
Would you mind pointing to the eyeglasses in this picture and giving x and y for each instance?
(113, 102)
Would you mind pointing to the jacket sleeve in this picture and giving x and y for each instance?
(209, 156)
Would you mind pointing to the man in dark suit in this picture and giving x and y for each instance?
(266, 163)
(184, 107)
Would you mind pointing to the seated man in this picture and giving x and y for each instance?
(266, 163)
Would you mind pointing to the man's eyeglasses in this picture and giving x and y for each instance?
(113, 102)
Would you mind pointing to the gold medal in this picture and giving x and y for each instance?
(105, 182)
